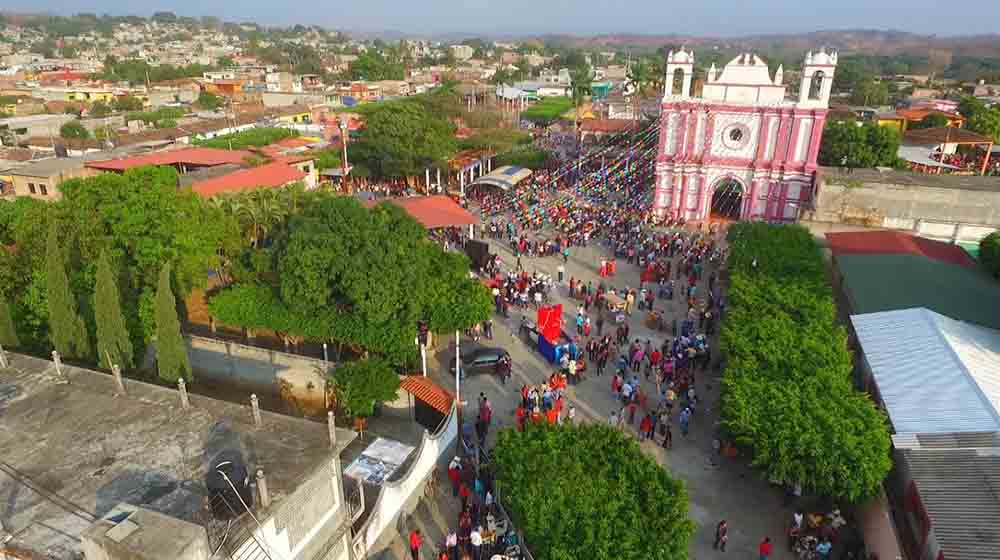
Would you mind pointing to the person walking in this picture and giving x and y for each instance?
(721, 535)
(416, 539)
(765, 549)
(476, 540)
(685, 420)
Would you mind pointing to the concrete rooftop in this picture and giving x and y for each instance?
(80, 445)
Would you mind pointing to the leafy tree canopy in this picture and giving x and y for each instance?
(373, 66)
(786, 390)
(986, 122)
(362, 384)
(403, 138)
(847, 144)
(590, 492)
(989, 253)
(74, 129)
(358, 276)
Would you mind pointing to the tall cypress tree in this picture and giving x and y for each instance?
(8, 335)
(171, 353)
(112, 335)
(68, 332)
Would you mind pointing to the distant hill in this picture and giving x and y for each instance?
(848, 41)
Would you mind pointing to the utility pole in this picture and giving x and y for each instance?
(344, 128)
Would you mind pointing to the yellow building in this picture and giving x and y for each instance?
(90, 95)
(302, 117)
(892, 120)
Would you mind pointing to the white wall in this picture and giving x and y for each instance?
(394, 496)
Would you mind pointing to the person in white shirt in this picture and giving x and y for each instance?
(476, 540)
(451, 542)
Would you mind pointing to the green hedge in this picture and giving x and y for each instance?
(786, 390)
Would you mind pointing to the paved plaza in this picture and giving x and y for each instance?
(728, 491)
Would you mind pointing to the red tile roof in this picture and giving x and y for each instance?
(271, 175)
(898, 243)
(294, 142)
(429, 392)
(205, 157)
(433, 212)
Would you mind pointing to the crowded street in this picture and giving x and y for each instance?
(720, 487)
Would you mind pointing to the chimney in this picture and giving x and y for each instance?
(331, 426)
(182, 387)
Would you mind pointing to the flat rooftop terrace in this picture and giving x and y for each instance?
(76, 450)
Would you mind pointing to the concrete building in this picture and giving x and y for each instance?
(40, 179)
(957, 208)
(741, 150)
(16, 128)
(462, 52)
(133, 471)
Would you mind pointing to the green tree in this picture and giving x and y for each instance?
(321, 287)
(970, 106)
(113, 344)
(933, 120)
(74, 129)
(850, 144)
(870, 93)
(986, 122)
(581, 77)
(99, 109)
(8, 334)
(68, 332)
(362, 384)
(209, 101)
(127, 103)
(989, 253)
(171, 353)
(787, 392)
(619, 497)
(401, 139)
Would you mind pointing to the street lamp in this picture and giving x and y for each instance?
(344, 126)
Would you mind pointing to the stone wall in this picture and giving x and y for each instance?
(952, 208)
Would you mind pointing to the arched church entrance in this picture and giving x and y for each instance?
(727, 200)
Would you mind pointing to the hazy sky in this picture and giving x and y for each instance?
(701, 17)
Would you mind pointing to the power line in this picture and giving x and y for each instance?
(52, 497)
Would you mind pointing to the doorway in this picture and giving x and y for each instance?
(727, 200)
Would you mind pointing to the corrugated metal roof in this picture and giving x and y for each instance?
(960, 490)
(934, 374)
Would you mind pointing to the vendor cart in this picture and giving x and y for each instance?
(615, 302)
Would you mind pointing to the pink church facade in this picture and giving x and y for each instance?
(741, 150)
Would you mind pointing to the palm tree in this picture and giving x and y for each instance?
(262, 211)
(580, 80)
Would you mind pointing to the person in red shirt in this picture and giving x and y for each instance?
(536, 415)
(765, 548)
(520, 414)
(645, 427)
(455, 475)
(415, 541)
(552, 416)
(464, 493)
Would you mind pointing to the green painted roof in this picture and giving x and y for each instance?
(887, 282)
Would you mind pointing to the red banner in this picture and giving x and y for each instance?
(550, 322)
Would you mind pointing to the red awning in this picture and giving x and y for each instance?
(429, 392)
